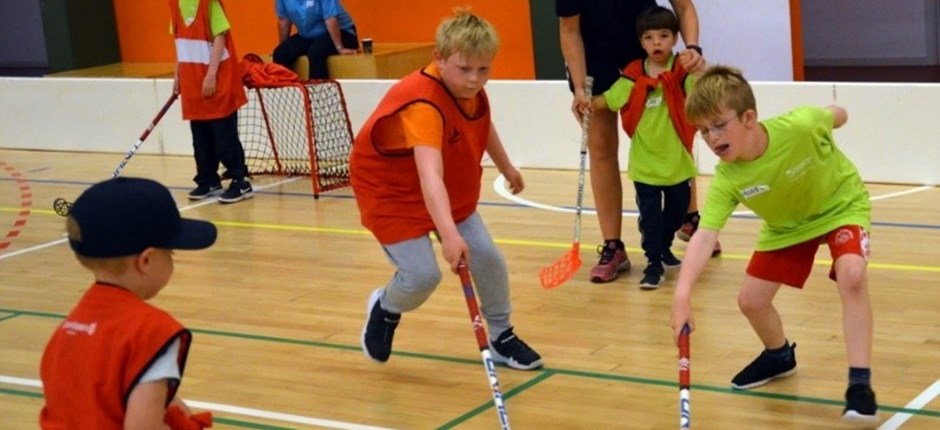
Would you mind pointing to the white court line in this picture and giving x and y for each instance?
(182, 209)
(237, 410)
(918, 403)
(499, 185)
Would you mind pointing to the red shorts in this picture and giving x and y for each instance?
(792, 265)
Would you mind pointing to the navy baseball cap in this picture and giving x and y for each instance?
(124, 216)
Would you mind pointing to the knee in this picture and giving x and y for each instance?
(852, 279)
(421, 281)
(751, 305)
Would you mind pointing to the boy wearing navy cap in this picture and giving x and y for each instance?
(116, 360)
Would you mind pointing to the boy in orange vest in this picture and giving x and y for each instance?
(415, 169)
(116, 360)
(211, 92)
(650, 96)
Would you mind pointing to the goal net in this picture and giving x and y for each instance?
(298, 129)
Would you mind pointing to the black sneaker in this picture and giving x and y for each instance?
(670, 261)
(379, 329)
(764, 369)
(509, 349)
(653, 276)
(237, 191)
(205, 191)
(860, 407)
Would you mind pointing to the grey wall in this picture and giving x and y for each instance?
(870, 32)
(22, 44)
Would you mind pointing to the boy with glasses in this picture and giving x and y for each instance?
(788, 171)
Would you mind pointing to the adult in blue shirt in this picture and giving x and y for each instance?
(324, 28)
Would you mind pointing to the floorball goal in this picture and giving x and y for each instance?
(298, 129)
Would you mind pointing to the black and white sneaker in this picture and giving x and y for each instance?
(653, 276)
(237, 191)
(860, 406)
(205, 191)
(379, 329)
(765, 369)
(670, 261)
(509, 349)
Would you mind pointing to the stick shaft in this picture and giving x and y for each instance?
(143, 136)
(477, 321)
(685, 411)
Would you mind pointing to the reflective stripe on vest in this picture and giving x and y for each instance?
(196, 51)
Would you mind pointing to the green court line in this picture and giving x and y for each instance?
(246, 424)
(540, 376)
(543, 375)
(20, 393)
(12, 315)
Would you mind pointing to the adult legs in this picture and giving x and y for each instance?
(322, 47)
(603, 143)
(288, 51)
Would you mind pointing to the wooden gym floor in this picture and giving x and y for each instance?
(277, 306)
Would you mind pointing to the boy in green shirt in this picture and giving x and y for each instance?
(650, 96)
(790, 173)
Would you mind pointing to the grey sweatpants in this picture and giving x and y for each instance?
(418, 274)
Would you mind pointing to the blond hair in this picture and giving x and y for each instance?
(467, 34)
(719, 87)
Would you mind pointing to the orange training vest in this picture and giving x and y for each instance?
(673, 91)
(96, 357)
(386, 184)
(193, 51)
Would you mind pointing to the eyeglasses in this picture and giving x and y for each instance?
(717, 129)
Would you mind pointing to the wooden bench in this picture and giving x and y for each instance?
(387, 61)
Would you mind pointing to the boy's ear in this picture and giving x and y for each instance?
(749, 117)
(142, 260)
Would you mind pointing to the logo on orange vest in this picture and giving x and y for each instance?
(455, 136)
(75, 327)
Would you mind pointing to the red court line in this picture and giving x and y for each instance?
(26, 202)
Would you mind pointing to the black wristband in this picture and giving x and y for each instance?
(696, 48)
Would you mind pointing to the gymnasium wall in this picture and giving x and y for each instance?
(891, 134)
(143, 27)
(143, 31)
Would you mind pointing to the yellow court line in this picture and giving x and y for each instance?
(544, 244)
(515, 242)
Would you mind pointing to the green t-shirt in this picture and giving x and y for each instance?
(802, 186)
(217, 19)
(657, 155)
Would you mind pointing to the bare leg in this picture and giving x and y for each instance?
(756, 303)
(693, 199)
(857, 320)
(605, 172)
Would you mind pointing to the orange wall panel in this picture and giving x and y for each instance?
(143, 27)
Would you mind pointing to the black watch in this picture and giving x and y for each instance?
(696, 48)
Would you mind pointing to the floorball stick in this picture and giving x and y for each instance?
(483, 343)
(685, 414)
(568, 264)
(63, 207)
